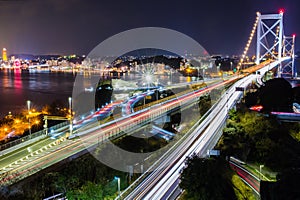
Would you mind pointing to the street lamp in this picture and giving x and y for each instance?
(28, 108)
(71, 116)
(260, 167)
(119, 189)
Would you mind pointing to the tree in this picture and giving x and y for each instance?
(206, 179)
(204, 104)
(296, 94)
(87, 191)
(287, 186)
(271, 95)
(249, 136)
(234, 141)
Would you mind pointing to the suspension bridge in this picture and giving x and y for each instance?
(273, 49)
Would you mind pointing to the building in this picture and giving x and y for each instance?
(4, 54)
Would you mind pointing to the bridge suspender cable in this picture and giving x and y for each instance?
(249, 42)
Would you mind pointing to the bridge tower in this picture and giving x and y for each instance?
(289, 51)
(269, 29)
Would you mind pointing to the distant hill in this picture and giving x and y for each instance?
(173, 62)
(35, 57)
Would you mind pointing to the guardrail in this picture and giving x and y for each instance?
(40, 134)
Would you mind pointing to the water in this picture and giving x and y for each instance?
(41, 88)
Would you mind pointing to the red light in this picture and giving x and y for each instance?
(256, 108)
(294, 35)
(281, 11)
(17, 63)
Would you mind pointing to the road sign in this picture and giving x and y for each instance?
(213, 152)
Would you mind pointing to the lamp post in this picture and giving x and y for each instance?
(71, 116)
(119, 189)
(46, 124)
(28, 108)
(260, 167)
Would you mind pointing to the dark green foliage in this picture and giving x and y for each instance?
(204, 104)
(87, 191)
(250, 136)
(270, 95)
(251, 99)
(287, 186)
(206, 179)
(296, 94)
(253, 137)
(84, 178)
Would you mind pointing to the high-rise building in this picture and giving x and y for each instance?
(4, 54)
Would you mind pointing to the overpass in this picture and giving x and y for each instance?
(164, 180)
(48, 152)
(25, 163)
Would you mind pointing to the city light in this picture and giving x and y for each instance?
(249, 41)
(149, 101)
(256, 108)
(4, 54)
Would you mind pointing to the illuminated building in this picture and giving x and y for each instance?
(4, 54)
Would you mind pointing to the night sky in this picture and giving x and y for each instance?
(77, 26)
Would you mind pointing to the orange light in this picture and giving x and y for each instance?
(188, 70)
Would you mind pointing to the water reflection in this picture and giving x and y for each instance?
(18, 86)
(18, 81)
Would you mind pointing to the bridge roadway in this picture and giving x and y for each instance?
(162, 180)
(30, 162)
(17, 168)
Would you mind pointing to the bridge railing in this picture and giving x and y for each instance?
(30, 138)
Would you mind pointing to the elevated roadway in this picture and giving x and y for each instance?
(23, 164)
(163, 181)
(27, 162)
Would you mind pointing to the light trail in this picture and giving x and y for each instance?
(104, 131)
(158, 183)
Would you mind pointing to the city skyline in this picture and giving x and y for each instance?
(77, 26)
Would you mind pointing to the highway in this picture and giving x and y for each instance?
(47, 152)
(251, 180)
(160, 181)
(164, 178)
